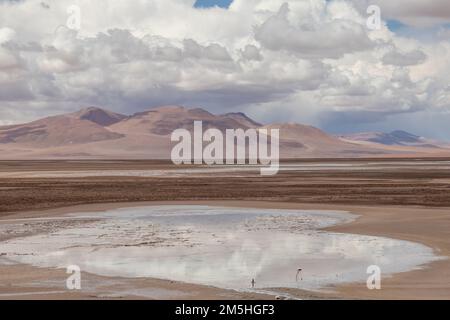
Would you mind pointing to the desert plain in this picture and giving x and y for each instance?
(404, 199)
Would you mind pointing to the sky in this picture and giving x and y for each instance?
(309, 61)
(212, 3)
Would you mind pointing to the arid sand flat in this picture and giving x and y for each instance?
(235, 170)
(409, 203)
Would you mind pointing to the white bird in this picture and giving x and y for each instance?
(299, 271)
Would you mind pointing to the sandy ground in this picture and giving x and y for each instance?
(410, 185)
(411, 203)
(429, 226)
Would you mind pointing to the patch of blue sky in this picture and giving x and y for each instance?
(424, 34)
(212, 3)
(395, 25)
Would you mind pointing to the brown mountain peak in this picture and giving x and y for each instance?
(99, 116)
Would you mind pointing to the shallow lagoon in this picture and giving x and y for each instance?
(223, 247)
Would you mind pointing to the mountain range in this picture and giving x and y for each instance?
(98, 133)
(394, 138)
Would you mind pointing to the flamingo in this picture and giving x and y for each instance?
(299, 271)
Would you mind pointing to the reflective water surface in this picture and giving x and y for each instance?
(224, 247)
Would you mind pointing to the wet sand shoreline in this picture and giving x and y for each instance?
(428, 283)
